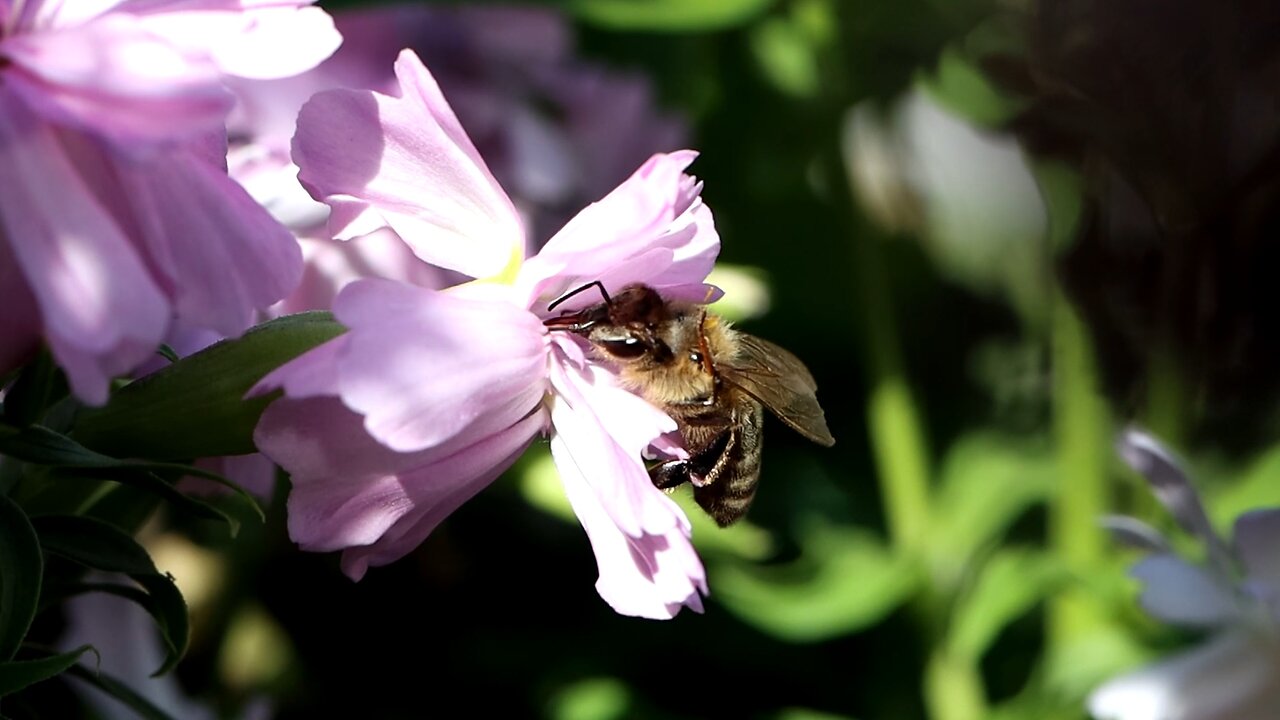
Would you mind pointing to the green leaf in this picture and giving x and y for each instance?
(787, 57)
(987, 481)
(118, 690)
(15, 676)
(21, 570)
(92, 543)
(36, 444)
(959, 86)
(1008, 585)
(195, 407)
(668, 15)
(155, 485)
(37, 387)
(42, 446)
(100, 546)
(846, 581)
(1256, 487)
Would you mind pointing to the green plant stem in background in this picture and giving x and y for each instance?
(1168, 406)
(1083, 432)
(893, 419)
(953, 686)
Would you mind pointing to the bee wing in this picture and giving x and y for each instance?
(781, 382)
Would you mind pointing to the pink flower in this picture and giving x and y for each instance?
(117, 211)
(557, 133)
(430, 395)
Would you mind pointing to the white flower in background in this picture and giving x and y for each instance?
(1233, 595)
(966, 192)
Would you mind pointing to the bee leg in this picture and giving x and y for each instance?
(670, 475)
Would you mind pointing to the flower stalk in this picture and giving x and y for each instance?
(1082, 427)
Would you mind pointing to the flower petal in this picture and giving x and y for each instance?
(645, 575)
(606, 429)
(331, 265)
(1257, 544)
(101, 311)
(405, 162)
(1136, 534)
(223, 255)
(248, 39)
(652, 229)
(1181, 593)
(422, 366)
(311, 374)
(437, 489)
(1172, 488)
(349, 491)
(1232, 677)
(114, 78)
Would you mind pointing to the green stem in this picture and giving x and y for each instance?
(893, 418)
(1083, 431)
(953, 688)
(1168, 405)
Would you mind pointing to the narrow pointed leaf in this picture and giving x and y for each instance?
(37, 387)
(40, 445)
(21, 569)
(100, 546)
(195, 407)
(1008, 585)
(155, 484)
(846, 581)
(15, 676)
(92, 543)
(143, 707)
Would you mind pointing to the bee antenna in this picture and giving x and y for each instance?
(594, 283)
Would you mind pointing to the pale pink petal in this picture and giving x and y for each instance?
(606, 428)
(331, 265)
(101, 312)
(406, 163)
(222, 255)
(652, 229)
(1235, 676)
(649, 575)
(421, 365)
(437, 489)
(344, 486)
(1178, 592)
(350, 491)
(52, 14)
(246, 39)
(114, 78)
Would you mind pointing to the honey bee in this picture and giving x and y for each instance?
(714, 381)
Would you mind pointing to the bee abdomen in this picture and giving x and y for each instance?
(728, 498)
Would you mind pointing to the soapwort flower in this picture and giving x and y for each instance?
(117, 213)
(430, 394)
(1234, 595)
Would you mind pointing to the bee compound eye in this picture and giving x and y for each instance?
(695, 358)
(625, 348)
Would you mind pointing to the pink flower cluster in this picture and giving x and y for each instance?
(116, 215)
(121, 228)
